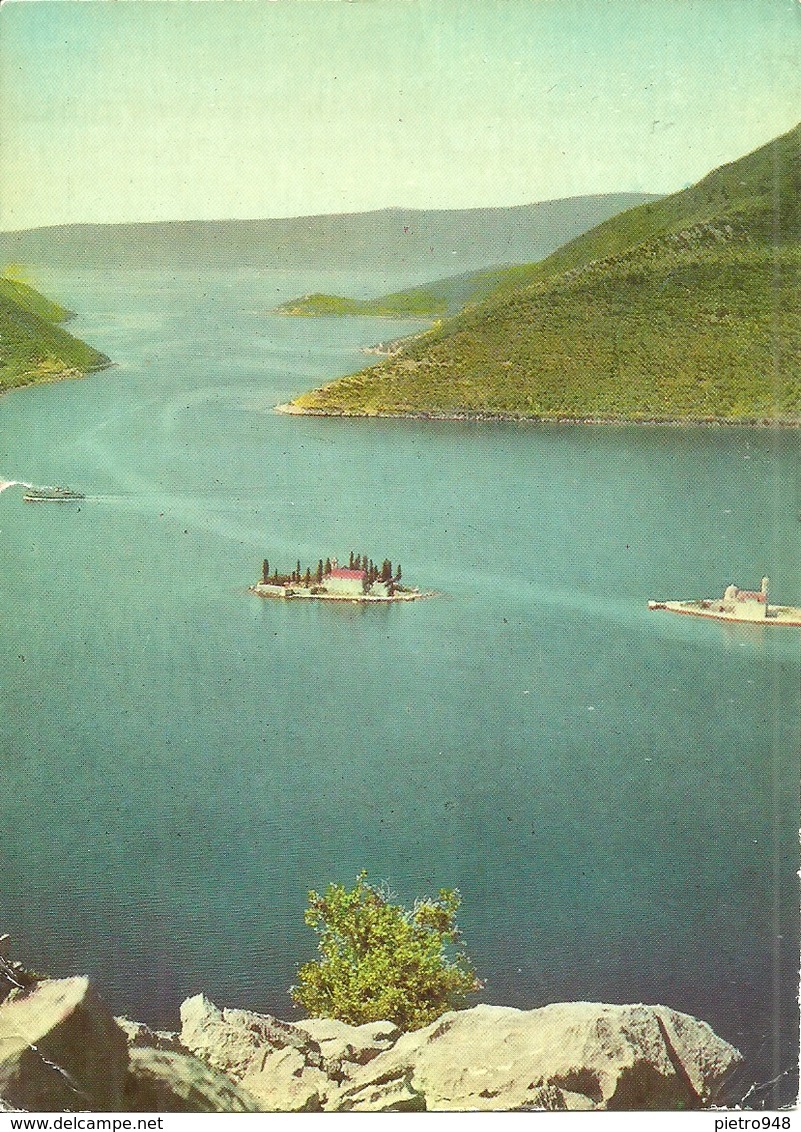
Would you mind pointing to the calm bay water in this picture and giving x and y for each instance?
(614, 792)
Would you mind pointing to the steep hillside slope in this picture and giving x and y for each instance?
(688, 308)
(446, 297)
(33, 347)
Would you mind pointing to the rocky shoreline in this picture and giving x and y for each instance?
(61, 1050)
(69, 373)
(286, 593)
(291, 409)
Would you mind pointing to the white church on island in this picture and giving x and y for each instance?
(750, 605)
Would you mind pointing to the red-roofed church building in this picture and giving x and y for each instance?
(341, 580)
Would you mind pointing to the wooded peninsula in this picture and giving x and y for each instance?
(33, 345)
(685, 309)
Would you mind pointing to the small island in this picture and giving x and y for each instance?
(750, 606)
(362, 580)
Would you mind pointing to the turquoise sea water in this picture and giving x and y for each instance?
(613, 791)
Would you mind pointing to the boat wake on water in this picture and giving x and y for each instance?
(37, 494)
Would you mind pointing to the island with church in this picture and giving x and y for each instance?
(750, 606)
(362, 580)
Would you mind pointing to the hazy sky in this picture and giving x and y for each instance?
(183, 109)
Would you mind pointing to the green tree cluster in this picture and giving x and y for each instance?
(314, 575)
(381, 961)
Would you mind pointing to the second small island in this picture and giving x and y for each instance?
(361, 580)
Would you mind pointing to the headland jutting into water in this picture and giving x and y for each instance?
(36, 348)
(684, 309)
(361, 580)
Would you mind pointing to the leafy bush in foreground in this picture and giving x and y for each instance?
(380, 961)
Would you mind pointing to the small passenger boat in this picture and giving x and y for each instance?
(51, 495)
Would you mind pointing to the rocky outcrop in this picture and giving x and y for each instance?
(285, 1081)
(278, 1064)
(164, 1077)
(162, 1080)
(231, 1040)
(567, 1056)
(139, 1036)
(340, 1042)
(61, 1050)
(564, 1056)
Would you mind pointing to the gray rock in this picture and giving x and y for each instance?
(548, 1098)
(60, 1049)
(229, 1040)
(392, 1091)
(572, 1055)
(380, 1031)
(281, 1065)
(161, 1080)
(283, 1081)
(139, 1036)
(340, 1042)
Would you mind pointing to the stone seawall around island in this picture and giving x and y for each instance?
(266, 590)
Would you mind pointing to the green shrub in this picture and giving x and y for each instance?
(380, 961)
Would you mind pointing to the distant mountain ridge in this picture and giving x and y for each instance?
(410, 241)
(688, 308)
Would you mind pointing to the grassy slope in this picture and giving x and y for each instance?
(440, 299)
(30, 300)
(687, 308)
(32, 346)
(447, 297)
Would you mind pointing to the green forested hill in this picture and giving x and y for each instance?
(25, 296)
(541, 228)
(688, 308)
(33, 347)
